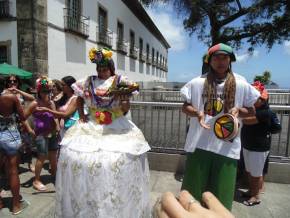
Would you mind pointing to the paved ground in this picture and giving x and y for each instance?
(275, 202)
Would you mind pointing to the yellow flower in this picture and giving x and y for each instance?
(102, 117)
(92, 53)
(107, 53)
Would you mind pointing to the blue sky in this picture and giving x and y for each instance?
(184, 58)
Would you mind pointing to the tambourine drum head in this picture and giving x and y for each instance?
(226, 127)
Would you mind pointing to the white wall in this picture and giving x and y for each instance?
(68, 53)
(8, 31)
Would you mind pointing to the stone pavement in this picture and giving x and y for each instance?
(275, 202)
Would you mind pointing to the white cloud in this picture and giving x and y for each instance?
(287, 47)
(246, 56)
(172, 29)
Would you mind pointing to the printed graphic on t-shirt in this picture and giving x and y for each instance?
(213, 106)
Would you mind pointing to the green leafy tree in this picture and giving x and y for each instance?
(256, 22)
(265, 78)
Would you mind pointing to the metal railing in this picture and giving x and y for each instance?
(148, 59)
(174, 96)
(75, 22)
(122, 46)
(142, 56)
(165, 126)
(154, 62)
(104, 36)
(165, 67)
(133, 52)
(162, 96)
(5, 9)
(279, 98)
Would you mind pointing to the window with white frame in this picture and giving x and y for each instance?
(120, 32)
(102, 21)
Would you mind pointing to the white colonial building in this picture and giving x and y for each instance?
(54, 37)
(8, 33)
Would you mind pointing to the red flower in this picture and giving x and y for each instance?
(104, 117)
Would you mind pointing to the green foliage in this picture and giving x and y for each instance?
(233, 22)
(265, 78)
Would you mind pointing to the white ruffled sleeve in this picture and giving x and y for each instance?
(79, 87)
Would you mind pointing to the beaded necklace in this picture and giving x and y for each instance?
(97, 100)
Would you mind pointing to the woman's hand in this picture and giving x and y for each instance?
(83, 119)
(124, 103)
(187, 207)
(13, 89)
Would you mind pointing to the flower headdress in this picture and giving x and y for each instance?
(101, 57)
(43, 83)
(261, 88)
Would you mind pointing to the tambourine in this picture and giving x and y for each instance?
(226, 127)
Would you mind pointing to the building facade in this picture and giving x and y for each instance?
(54, 37)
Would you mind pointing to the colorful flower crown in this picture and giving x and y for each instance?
(43, 83)
(100, 56)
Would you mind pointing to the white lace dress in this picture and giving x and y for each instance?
(102, 169)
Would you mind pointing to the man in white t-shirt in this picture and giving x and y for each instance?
(212, 162)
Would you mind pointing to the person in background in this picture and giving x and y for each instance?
(67, 109)
(13, 84)
(46, 130)
(256, 142)
(56, 92)
(212, 162)
(10, 142)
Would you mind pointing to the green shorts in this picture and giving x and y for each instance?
(45, 144)
(207, 171)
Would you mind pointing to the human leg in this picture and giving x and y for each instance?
(37, 184)
(52, 154)
(265, 171)
(14, 182)
(42, 150)
(196, 173)
(255, 164)
(223, 179)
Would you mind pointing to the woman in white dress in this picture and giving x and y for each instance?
(103, 169)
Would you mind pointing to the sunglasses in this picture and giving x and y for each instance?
(13, 81)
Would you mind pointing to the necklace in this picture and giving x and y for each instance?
(97, 100)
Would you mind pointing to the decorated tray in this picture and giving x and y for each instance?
(124, 89)
(226, 127)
